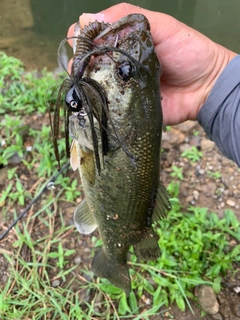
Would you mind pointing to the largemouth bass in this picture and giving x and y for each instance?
(116, 129)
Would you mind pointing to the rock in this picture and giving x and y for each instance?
(183, 147)
(172, 138)
(186, 126)
(72, 245)
(23, 177)
(195, 194)
(217, 316)
(78, 259)
(195, 141)
(210, 189)
(230, 284)
(170, 157)
(3, 174)
(221, 205)
(221, 298)
(236, 309)
(207, 145)
(189, 199)
(5, 278)
(231, 203)
(236, 289)
(207, 299)
(15, 159)
(56, 283)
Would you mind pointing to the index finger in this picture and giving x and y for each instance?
(70, 34)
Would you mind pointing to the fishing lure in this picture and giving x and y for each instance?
(81, 92)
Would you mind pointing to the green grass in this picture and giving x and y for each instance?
(195, 244)
(192, 154)
(23, 91)
(215, 175)
(194, 248)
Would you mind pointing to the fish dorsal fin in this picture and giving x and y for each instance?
(162, 204)
(74, 159)
(84, 219)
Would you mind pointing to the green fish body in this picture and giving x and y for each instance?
(125, 197)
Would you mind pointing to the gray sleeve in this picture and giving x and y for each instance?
(220, 114)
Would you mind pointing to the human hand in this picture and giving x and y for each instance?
(191, 62)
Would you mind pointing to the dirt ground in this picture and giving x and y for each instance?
(197, 188)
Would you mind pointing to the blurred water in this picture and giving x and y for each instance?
(32, 29)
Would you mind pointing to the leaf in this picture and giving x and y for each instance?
(180, 302)
(214, 219)
(147, 286)
(217, 285)
(214, 270)
(53, 255)
(123, 306)
(164, 282)
(69, 252)
(133, 302)
(110, 289)
(21, 200)
(157, 297)
(235, 252)
(231, 218)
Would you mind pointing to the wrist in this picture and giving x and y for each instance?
(221, 57)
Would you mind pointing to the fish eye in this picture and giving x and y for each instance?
(72, 100)
(124, 70)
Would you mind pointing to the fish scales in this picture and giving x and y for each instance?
(121, 199)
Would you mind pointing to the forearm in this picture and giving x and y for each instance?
(220, 114)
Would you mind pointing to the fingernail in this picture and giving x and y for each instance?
(86, 18)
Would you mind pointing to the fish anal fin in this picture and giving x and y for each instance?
(83, 218)
(162, 204)
(117, 273)
(147, 248)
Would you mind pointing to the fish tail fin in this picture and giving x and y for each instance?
(117, 273)
(147, 248)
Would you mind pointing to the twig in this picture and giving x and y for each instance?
(46, 187)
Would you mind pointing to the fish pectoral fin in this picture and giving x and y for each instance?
(162, 203)
(147, 248)
(104, 267)
(83, 218)
(74, 161)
